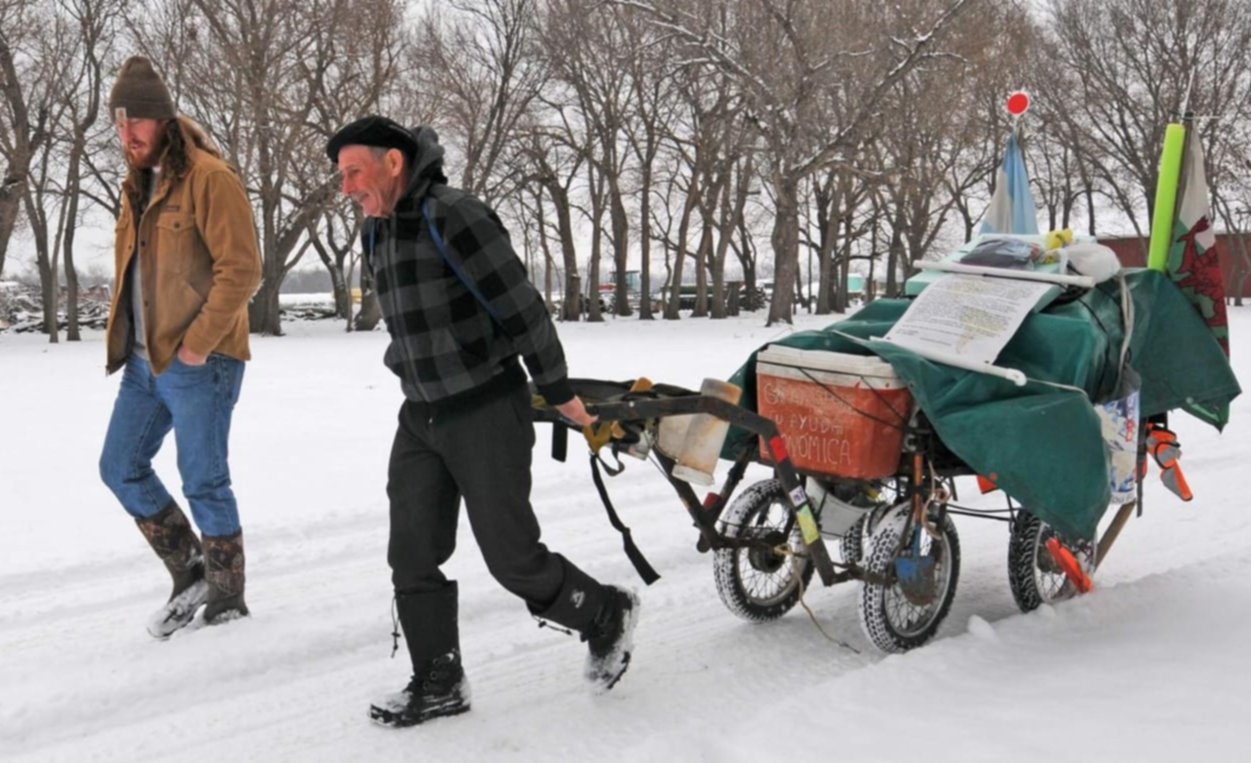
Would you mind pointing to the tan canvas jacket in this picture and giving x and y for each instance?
(204, 268)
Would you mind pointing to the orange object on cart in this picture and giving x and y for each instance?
(1065, 560)
(1163, 446)
(839, 414)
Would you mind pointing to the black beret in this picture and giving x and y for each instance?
(372, 130)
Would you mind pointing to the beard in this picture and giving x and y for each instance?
(145, 156)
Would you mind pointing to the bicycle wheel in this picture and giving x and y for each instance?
(1033, 574)
(761, 582)
(906, 612)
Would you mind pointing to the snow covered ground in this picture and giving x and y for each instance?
(1152, 665)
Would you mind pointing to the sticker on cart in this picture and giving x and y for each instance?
(808, 526)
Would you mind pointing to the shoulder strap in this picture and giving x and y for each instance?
(427, 207)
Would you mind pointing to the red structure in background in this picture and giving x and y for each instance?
(1132, 252)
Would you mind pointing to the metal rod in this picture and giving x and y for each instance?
(951, 358)
(976, 514)
(1020, 275)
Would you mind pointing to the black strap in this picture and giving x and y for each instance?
(428, 213)
(641, 566)
(560, 441)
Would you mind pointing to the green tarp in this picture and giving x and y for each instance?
(1041, 444)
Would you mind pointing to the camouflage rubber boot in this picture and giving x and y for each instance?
(225, 578)
(170, 535)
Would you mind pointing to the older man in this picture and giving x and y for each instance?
(187, 265)
(460, 311)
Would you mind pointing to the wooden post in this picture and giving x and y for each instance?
(1114, 529)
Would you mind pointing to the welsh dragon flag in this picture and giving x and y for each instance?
(1192, 261)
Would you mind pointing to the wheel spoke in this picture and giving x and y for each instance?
(767, 579)
(1052, 583)
(892, 620)
(761, 577)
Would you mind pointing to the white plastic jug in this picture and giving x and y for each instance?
(704, 437)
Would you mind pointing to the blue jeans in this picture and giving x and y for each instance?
(196, 402)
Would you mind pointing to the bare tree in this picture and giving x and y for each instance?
(648, 57)
(810, 90)
(23, 128)
(369, 75)
(835, 200)
(52, 42)
(543, 153)
(1137, 65)
(258, 77)
(480, 63)
(335, 243)
(93, 21)
(587, 47)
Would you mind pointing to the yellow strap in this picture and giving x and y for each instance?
(598, 434)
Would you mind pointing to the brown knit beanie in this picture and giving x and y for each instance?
(139, 93)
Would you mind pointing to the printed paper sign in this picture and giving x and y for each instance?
(968, 317)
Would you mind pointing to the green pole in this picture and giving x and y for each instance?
(1166, 196)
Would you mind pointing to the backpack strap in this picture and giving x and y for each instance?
(427, 211)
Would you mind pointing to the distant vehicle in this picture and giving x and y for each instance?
(634, 290)
(688, 294)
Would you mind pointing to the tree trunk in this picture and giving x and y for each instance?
(785, 240)
(71, 288)
(645, 245)
(594, 312)
(48, 286)
(620, 223)
(570, 308)
(1244, 269)
(702, 253)
(72, 183)
(895, 254)
(674, 303)
(827, 209)
(15, 180)
(12, 189)
(842, 297)
(731, 208)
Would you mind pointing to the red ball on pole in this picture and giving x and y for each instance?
(1018, 103)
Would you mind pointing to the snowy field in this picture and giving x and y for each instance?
(1152, 666)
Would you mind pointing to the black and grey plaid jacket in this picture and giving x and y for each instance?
(444, 344)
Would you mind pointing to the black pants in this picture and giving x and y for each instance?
(481, 452)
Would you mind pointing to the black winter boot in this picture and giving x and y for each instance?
(169, 533)
(225, 578)
(432, 633)
(577, 602)
(438, 689)
(610, 638)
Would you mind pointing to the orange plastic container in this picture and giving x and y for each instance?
(840, 415)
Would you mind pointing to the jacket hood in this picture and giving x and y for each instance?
(427, 162)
